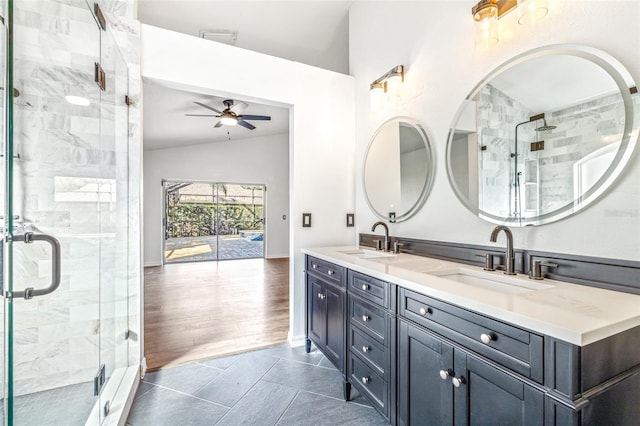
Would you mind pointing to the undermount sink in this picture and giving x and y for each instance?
(495, 281)
(366, 254)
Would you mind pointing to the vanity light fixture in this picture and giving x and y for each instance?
(486, 14)
(389, 83)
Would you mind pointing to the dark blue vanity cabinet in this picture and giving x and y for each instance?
(423, 361)
(371, 365)
(459, 367)
(326, 312)
(439, 384)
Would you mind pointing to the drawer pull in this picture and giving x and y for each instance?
(486, 338)
(444, 374)
(457, 381)
(425, 311)
(321, 296)
(330, 272)
(366, 318)
(366, 349)
(365, 287)
(366, 380)
(314, 265)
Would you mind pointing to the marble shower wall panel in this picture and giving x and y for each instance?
(581, 129)
(67, 160)
(497, 115)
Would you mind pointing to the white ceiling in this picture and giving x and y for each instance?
(307, 31)
(165, 123)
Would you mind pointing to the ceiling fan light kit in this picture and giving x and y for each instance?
(231, 115)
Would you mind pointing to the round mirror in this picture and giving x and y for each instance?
(543, 135)
(398, 169)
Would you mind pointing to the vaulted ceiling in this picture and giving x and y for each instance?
(306, 31)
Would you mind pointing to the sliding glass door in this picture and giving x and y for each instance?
(213, 221)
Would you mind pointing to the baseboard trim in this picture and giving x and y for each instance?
(277, 256)
(152, 263)
(296, 341)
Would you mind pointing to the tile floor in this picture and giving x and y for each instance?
(276, 386)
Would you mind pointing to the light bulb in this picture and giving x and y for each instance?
(229, 121)
(393, 83)
(376, 96)
(530, 11)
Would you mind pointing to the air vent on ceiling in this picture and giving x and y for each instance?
(221, 36)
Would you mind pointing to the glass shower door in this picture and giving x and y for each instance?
(54, 161)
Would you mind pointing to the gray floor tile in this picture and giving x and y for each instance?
(185, 378)
(143, 388)
(324, 362)
(295, 354)
(261, 406)
(325, 381)
(221, 363)
(160, 407)
(236, 380)
(317, 410)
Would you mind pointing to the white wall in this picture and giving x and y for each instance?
(321, 136)
(255, 160)
(435, 42)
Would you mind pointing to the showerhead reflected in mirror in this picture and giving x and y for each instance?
(398, 169)
(543, 135)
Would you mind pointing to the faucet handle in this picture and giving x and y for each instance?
(378, 244)
(396, 246)
(488, 261)
(536, 271)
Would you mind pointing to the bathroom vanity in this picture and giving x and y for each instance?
(429, 341)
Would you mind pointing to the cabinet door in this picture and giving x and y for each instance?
(489, 396)
(317, 311)
(336, 323)
(424, 398)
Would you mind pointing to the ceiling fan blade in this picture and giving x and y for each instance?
(202, 115)
(254, 117)
(207, 107)
(239, 107)
(218, 124)
(246, 125)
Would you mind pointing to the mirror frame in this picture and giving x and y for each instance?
(426, 188)
(625, 83)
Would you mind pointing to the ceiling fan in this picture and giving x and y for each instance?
(231, 115)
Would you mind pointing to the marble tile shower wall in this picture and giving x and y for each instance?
(581, 129)
(78, 178)
(496, 117)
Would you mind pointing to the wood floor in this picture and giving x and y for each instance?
(194, 311)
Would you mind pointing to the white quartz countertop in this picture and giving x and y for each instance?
(574, 313)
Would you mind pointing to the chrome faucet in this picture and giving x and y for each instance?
(509, 261)
(386, 234)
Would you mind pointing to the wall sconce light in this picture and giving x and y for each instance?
(389, 83)
(487, 12)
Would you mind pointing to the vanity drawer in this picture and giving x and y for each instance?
(369, 350)
(369, 288)
(513, 347)
(370, 383)
(326, 270)
(373, 320)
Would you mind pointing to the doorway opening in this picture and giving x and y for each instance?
(207, 221)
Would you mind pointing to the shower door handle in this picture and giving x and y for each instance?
(28, 238)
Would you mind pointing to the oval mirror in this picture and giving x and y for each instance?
(543, 135)
(398, 169)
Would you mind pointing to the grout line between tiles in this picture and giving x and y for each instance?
(288, 406)
(249, 390)
(186, 394)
